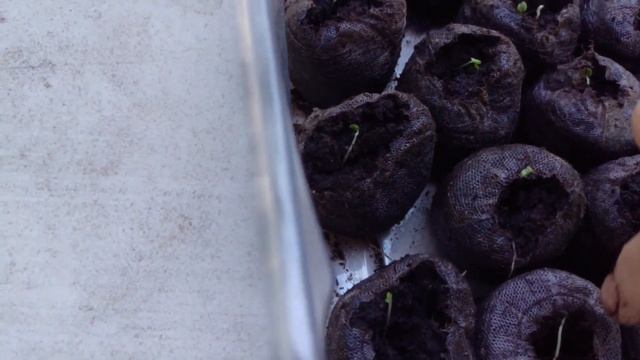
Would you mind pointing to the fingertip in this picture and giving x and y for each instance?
(635, 124)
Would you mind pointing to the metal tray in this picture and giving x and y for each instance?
(308, 275)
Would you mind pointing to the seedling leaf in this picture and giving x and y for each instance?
(527, 172)
(522, 7)
(539, 11)
(389, 300)
(473, 62)
(588, 73)
(559, 340)
(356, 132)
(513, 259)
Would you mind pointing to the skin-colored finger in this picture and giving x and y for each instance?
(610, 295)
(635, 124)
(627, 279)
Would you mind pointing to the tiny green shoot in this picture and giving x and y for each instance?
(473, 62)
(356, 132)
(389, 300)
(522, 7)
(559, 340)
(527, 172)
(539, 11)
(513, 259)
(588, 73)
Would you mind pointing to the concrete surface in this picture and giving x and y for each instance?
(126, 200)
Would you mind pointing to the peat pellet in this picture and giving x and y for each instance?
(367, 161)
(545, 31)
(614, 27)
(508, 207)
(417, 308)
(581, 111)
(612, 218)
(470, 78)
(525, 317)
(338, 49)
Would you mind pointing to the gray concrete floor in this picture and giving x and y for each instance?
(126, 194)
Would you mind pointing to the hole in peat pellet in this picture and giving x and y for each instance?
(461, 80)
(603, 86)
(436, 12)
(577, 338)
(630, 199)
(550, 6)
(417, 326)
(380, 123)
(526, 207)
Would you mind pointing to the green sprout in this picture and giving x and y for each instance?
(473, 62)
(527, 172)
(539, 11)
(356, 132)
(389, 300)
(588, 73)
(513, 259)
(559, 340)
(522, 7)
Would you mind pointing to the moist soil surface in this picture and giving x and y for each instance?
(527, 207)
(417, 326)
(577, 338)
(461, 79)
(630, 200)
(598, 84)
(380, 123)
(435, 12)
(548, 13)
(340, 10)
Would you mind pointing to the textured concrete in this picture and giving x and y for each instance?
(126, 200)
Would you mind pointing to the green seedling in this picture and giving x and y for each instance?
(356, 132)
(527, 172)
(539, 11)
(588, 73)
(473, 62)
(389, 300)
(513, 259)
(522, 7)
(559, 341)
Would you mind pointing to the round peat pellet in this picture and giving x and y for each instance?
(417, 308)
(508, 207)
(338, 49)
(367, 161)
(529, 315)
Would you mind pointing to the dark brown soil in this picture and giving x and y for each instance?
(548, 15)
(417, 326)
(549, 39)
(367, 161)
(630, 200)
(380, 123)
(527, 206)
(434, 12)
(581, 110)
(475, 106)
(577, 338)
(462, 80)
(339, 10)
(636, 22)
(599, 85)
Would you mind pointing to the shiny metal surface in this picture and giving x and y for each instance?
(301, 280)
